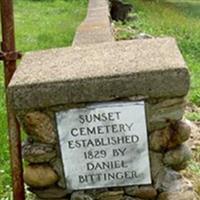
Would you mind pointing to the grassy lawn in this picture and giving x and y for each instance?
(179, 19)
(39, 25)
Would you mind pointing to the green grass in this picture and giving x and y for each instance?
(48, 23)
(193, 116)
(176, 18)
(39, 25)
(193, 171)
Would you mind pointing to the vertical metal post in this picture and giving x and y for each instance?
(8, 48)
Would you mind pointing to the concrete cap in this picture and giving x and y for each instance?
(150, 67)
(98, 4)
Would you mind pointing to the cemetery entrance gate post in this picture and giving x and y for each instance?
(9, 57)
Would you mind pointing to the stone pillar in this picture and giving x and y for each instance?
(151, 70)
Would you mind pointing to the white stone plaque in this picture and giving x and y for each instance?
(104, 145)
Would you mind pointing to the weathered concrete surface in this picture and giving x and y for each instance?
(152, 68)
(96, 28)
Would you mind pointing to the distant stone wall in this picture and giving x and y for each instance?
(96, 28)
(151, 70)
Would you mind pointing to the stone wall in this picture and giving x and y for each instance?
(168, 155)
(151, 70)
(96, 28)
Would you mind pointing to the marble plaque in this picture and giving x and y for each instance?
(104, 145)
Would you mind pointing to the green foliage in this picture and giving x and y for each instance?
(195, 167)
(40, 24)
(4, 151)
(179, 19)
(193, 116)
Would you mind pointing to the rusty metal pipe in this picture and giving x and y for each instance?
(8, 46)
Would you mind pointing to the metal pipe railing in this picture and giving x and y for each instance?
(9, 57)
